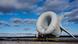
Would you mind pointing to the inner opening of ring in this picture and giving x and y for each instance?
(47, 21)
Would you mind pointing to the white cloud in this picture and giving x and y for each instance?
(53, 5)
(7, 2)
(16, 21)
(29, 4)
(16, 4)
(4, 23)
(57, 6)
(30, 21)
(73, 16)
(19, 21)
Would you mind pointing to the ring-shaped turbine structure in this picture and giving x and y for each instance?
(48, 23)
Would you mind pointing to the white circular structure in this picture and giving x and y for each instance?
(48, 23)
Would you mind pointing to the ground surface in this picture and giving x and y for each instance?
(31, 42)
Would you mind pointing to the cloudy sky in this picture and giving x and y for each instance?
(20, 15)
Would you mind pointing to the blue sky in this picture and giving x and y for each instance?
(28, 11)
